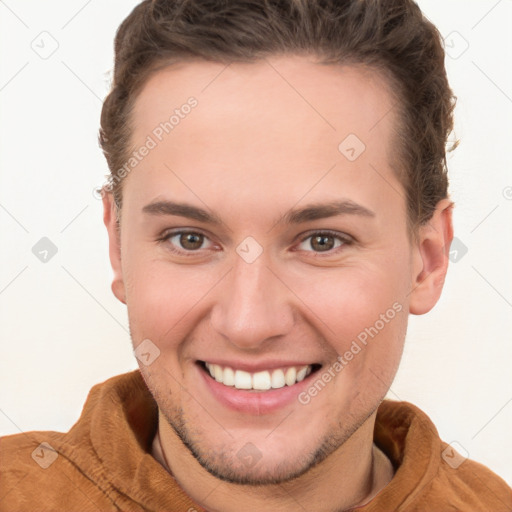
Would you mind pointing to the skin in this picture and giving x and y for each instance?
(252, 150)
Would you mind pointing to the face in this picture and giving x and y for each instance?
(263, 238)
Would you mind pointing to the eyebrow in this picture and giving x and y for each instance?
(308, 213)
(325, 210)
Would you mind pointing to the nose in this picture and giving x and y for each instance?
(253, 305)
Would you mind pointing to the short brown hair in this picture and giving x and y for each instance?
(390, 36)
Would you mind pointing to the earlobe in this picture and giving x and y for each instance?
(430, 263)
(114, 244)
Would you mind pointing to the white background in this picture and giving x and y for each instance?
(61, 328)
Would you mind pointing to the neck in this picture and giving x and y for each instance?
(350, 477)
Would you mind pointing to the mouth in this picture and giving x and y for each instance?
(260, 381)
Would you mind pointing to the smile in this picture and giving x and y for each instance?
(261, 380)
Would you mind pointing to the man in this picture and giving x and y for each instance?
(277, 207)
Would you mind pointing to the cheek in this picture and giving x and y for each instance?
(161, 297)
(363, 317)
(351, 299)
(364, 321)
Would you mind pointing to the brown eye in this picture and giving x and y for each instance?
(186, 242)
(326, 242)
(322, 242)
(191, 241)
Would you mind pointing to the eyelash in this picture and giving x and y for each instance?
(345, 239)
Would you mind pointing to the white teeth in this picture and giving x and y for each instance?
(218, 373)
(290, 376)
(278, 379)
(301, 374)
(229, 377)
(260, 381)
(243, 380)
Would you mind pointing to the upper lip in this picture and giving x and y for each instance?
(253, 367)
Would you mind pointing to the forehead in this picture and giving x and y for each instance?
(332, 98)
(281, 120)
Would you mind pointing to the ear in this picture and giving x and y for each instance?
(430, 259)
(111, 222)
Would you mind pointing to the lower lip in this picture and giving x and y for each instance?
(254, 402)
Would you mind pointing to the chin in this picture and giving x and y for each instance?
(237, 460)
(251, 467)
